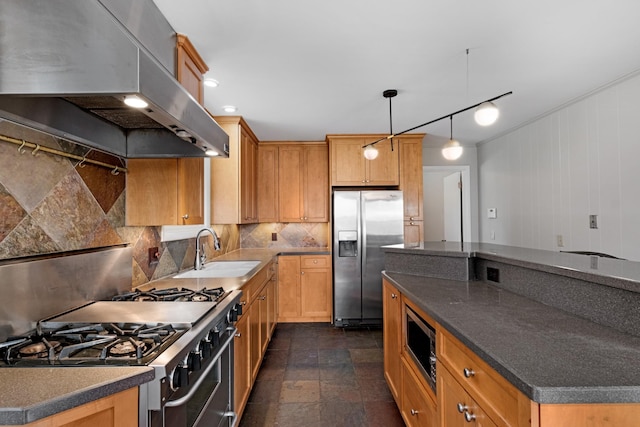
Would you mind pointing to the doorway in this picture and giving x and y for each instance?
(447, 207)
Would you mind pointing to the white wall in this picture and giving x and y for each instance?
(547, 177)
(432, 156)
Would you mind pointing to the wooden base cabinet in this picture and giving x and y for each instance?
(457, 408)
(255, 328)
(418, 409)
(392, 335)
(117, 410)
(304, 288)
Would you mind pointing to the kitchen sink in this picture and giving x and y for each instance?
(220, 269)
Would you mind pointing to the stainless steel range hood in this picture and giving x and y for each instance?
(65, 68)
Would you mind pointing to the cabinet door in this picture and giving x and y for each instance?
(457, 408)
(288, 288)
(315, 294)
(152, 192)
(190, 191)
(417, 408)
(347, 162)
(264, 318)
(291, 160)
(248, 199)
(391, 333)
(383, 170)
(410, 150)
(267, 183)
(272, 298)
(413, 233)
(316, 184)
(255, 347)
(242, 364)
(190, 68)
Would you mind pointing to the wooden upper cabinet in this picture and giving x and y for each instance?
(234, 179)
(303, 183)
(190, 68)
(410, 149)
(267, 184)
(350, 168)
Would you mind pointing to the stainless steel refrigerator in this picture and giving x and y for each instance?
(363, 221)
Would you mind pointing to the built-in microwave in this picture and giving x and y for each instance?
(420, 342)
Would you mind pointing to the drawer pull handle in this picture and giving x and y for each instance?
(394, 296)
(469, 417)
(414, 412)
(462, 407)
(468, 373)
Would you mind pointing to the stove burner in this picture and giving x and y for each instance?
(127, 348)
(39, 349)
(174, 294)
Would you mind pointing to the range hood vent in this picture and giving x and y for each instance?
(65, 68)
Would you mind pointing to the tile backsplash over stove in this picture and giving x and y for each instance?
(47, 205)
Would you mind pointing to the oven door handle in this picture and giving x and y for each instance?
(208, 369)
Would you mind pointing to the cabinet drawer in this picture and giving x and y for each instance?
(417, 407)
(314, 261)
(457, 408)
(493, 393)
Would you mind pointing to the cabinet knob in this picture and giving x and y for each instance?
(315, 261)
(462, 407)
(302, 273)
(185, 216)
(469, 417)
(411, 223)
(468, 373)
(394, 296)
(238, 335)
(414, 412)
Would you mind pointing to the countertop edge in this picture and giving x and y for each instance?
(70, 400)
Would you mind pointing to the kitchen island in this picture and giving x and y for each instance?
(563, 329)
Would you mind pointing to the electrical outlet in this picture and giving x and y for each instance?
(593, 221)
(274, 237)
(493, 235)
(154, 256)
(493, 274)
(559, 241)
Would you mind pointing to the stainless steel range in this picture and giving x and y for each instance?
(185, 335)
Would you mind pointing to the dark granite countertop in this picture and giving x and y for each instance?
(622, 274)
(29, 394)
(548, 354)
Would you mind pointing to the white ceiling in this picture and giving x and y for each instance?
(298, 70)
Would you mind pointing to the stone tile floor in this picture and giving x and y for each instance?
(315, 375)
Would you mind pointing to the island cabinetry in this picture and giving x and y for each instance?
(170, 191)
(492, 394)
(234, 179)
(418, 409)
(392, 336)
(304, 288)
(303, 183)
(117, 410)
(410, 152)
(457, 408)
(255, 327)
(350, 168)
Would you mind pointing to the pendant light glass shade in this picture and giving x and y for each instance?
(486, 114)
(370, 152)
(452, 150)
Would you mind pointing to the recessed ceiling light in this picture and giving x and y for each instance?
(211, 82)
(229, 108)
(135, 102)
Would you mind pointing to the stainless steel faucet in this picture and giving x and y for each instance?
(201, 256)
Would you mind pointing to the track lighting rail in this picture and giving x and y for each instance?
(437, 120)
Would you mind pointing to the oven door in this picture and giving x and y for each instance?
(208, 402)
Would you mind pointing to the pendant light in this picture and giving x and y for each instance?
(452, 150)
(486, 114)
